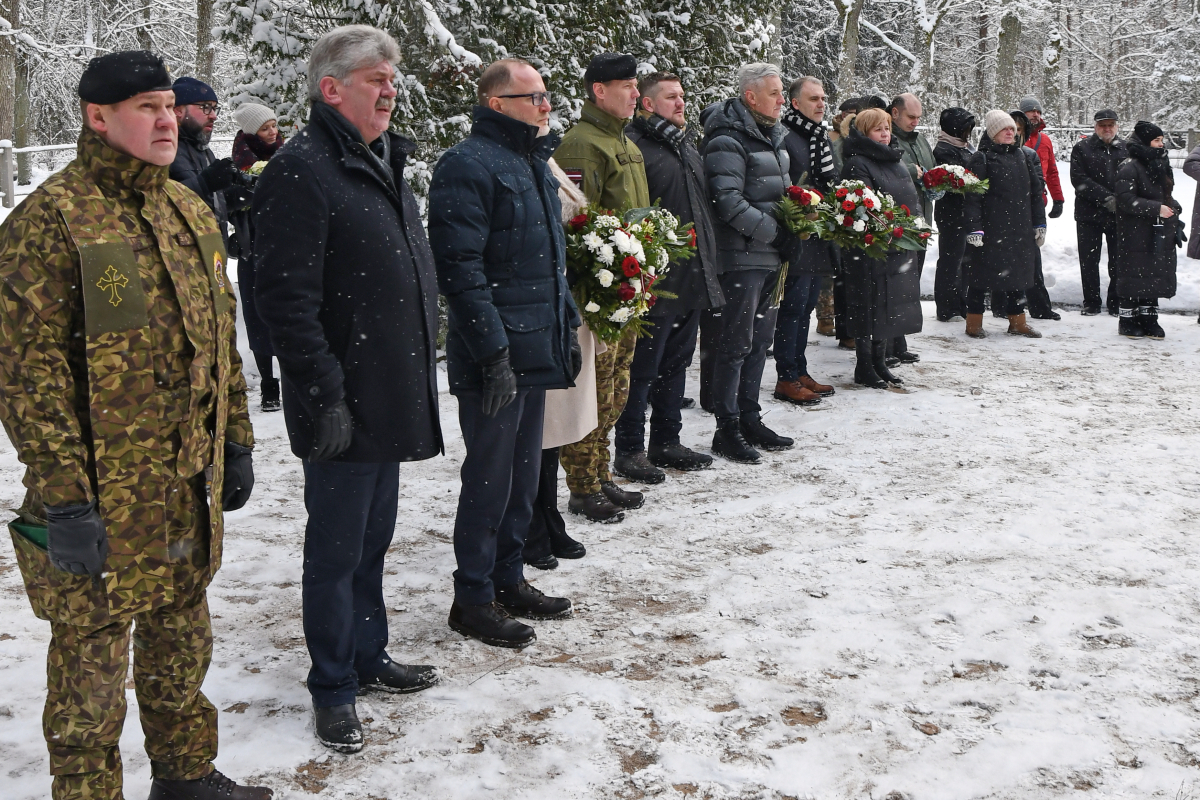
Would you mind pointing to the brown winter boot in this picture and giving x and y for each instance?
(846, 344)
(975, 326)
(823, 389)
(793, 392)
(1017, 326)
(824, 327)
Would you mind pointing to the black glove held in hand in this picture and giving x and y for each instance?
(76, 538)
(1056, 210)
(499, 383)
(783, 239)
(333, 432)
(1110, 203)
(239, 477)
(219, 175)
(576, 354)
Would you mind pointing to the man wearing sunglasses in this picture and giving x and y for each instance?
(195, 166)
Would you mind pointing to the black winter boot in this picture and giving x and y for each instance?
(595, 507)
(728, 442)
(523, 600)
(1129, 325)
(759, 435)
(338, 728)
(270, 394)
(637, 467)
(491, 624)
(877, 360)
(400, 679)
(1148, 318)
(213, 786)
(622, 498)
(676, 456)
(864, 369)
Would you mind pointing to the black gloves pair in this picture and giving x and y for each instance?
(220, 175)
(1056, 210)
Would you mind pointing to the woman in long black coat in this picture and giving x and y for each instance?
(883, 296)
(1006, 227)
(1148, 228)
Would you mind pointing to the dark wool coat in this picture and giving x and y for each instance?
(1191, 167)
(949, 212)
(675, 175)
(809, 256)
(1145, 259)
(1007, 214)
(1094, 176)
(747, 174)
(346, 285)
(500, 251)
(883, 296)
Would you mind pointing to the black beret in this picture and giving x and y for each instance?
(610, 67)
(115, 77)
(1105, 114)
(190, 90)
(1146, 132)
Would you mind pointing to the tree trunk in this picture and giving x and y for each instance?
(145, 41)
(11, 11)
(204, 52)
(1006, 57)
(849, 12)
(1051, 97)
(984, 50)
(21, 121)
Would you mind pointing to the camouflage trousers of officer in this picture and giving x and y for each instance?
(586, 461)
(86, 670)
(825, 301)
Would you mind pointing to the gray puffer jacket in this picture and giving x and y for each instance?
(747, 174)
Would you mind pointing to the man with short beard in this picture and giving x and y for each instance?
(195, 166)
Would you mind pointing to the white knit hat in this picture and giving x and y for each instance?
(252, 116)
(996, 120)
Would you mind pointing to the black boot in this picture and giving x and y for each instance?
(676, 456)
(401, 679)
(595, 507)
(878, 361)
(338, 728)
(1148, 318)
(622, 498)
(759, 435)
(1129, 325)
(523, 600)
(563, 546)
(213, 786)
(728, 442)
(546, 562)
(637, 467)
(864, 368)
(490, 624)
(270, 394)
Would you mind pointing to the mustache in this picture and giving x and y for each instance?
(386, 104)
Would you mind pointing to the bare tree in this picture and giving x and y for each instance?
(204, 40)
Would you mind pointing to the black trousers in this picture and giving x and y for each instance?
(1038, 297)
(747, 328)
(351, 517)
(710, 340)
(899, 344)
(499, 483)
(1090, 238)
(547, 523)
(1008, 304)
(657, 379)
(947, 281)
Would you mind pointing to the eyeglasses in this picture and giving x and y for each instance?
(537, 98)
(211, 109)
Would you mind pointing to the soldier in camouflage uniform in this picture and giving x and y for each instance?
(121, 390)
(609, 168)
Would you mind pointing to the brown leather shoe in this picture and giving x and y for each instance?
(975, 326)
(793, 392)
(825, 327)
(1017, 326)
(846, 344)
(822, 389)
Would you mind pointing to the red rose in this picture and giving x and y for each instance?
(650, 301)
(579, 221)
(842, 193)
(848, 221)
(904, 208)
(858, 192)
(897, 231)
(625, 292)
(795, 193)
(848, 205)
(692, 237)
(924, 236)
(890, 216)
(869, 238)
(630, 267)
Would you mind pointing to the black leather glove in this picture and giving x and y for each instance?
(334, 429)
(1056, 210)
(783, 238)
(1180, 236)
(76, 538)
(219, 175)
(576, 354)
(499, 382)
(239, 477)
(1110, 203)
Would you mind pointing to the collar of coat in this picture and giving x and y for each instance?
(116, 173)
(859, 144)
(520, 137)
(594, 115)
(384, 158)
(735, 114)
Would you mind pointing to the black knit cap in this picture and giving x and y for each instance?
(610, 67)
(1105, 114)
(957, 122)
(1146, 132)
(115, 77)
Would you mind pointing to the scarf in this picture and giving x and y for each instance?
(762, 119)
(660, 128)
(820, 152)
(954, 141)
(1157, 162)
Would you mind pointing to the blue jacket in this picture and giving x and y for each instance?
(495, 225)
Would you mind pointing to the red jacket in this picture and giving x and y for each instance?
(1041, 144)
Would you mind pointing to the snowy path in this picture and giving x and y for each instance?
(984, 588)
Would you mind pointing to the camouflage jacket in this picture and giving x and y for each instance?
(119, 374)
(602, 161)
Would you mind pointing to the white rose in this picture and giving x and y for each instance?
(635, 250)
(636, 283)
(605, 277)
(606, 255)
(591, 307)
(592, 241)
(620, 315)
(622, 241)
(672, 238)
(860, 226)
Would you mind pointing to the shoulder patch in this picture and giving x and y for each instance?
(576, 176)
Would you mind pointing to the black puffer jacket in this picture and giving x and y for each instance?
(810, 256)
(1094, 176)
(949, 211)
(747, 174)
(1007, 214)
(500, 251)
(1145, 262)
(675, 175)
(190, 160)
(883, 296)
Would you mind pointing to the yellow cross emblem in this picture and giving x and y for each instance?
(110, 282)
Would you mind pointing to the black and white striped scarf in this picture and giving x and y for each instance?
(823, 174)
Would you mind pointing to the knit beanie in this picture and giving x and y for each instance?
(252, 116)
(996, 120)
(1029, 103)
(1146, 132)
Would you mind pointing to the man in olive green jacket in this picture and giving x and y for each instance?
(918, 157)
(599, 158)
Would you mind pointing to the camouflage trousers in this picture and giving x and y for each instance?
(86, 670)
(586, 461)
(825, 301)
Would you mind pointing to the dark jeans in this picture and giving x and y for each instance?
(658, 377)
(1090, 238)
(947, 281)
(1008, 303)
(747, 326)
(499, 484)
(1039, 298)
(351, 517)
(547, 523)
(800, 295)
